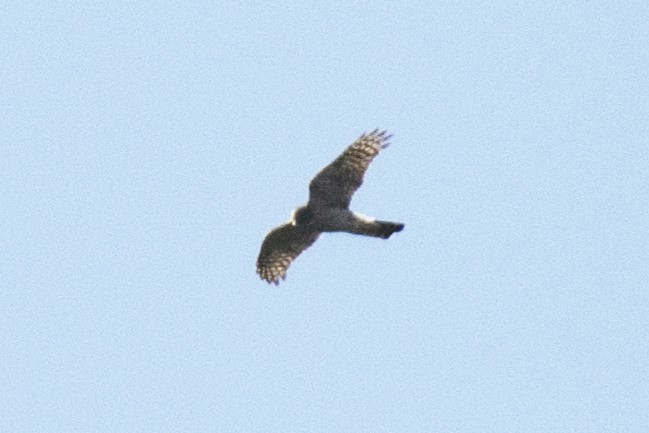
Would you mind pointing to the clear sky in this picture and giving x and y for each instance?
(148, 147)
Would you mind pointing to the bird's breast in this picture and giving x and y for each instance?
(333, 219)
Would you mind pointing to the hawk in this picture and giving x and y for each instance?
(327, 210)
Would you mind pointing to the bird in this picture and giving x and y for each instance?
(327, 210)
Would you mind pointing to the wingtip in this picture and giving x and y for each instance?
(382, 135)
(385, 137)
(378, 133)
(270, 278)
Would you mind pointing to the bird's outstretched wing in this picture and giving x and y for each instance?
(335, 184)
(281, 246)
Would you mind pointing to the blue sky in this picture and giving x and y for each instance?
(147, 148)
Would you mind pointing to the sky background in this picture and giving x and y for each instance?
(147, 148)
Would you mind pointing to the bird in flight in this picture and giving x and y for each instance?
(327, 210)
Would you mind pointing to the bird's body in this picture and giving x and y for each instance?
(335, 219)
(328, 210)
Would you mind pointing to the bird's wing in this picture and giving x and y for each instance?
(335, 184)
(281, 246)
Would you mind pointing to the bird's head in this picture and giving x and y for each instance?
(301, 216)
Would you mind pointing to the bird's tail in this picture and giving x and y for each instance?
(377, 229)
(386, 228)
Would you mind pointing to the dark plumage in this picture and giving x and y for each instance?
(330, 193)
